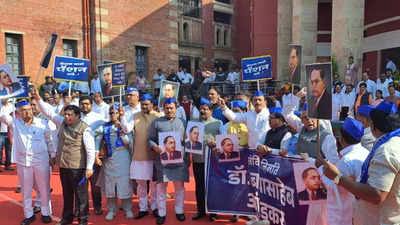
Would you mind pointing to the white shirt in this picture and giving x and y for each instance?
(257, 124)
(349, 100)
(95, 86)
(32, 144)
(59, 107)
(186, 78)
(391, 65)
(290, 103)
(383, 87)
(129, 112)
(7, 109)
(93, 119)
(75, 102)
(337, 103)
(88, 136)
(102, 109)
(371, 87)
(180, 113)
(233, 77)
(209, 79)
(340, 208)
(181, 75)
(157, 80)
(83, 87)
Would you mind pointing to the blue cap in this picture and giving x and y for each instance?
(304, 107)
(297, 113)
(239, 103)
(155, 101)
(169, 101)
(364, 110)
(21, 103)
(275, 110)
(131, 89)
(62, 87)
(354, 128)
(258, 93)
(387, 107)
(204, 101)
(146, 97)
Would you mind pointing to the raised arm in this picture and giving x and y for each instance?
(47, 110)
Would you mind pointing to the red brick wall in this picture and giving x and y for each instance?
(37, 19)
(243, 26)
(377, 10)
(208, 32)
(137, 21)
(370, 63)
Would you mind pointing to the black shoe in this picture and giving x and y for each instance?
(141, 214)
(98, 211)
(180, 217)
(234, 219)
(9, 168)
(28, 221)
(64, 222)
(155, 213)
(212, 217)
(198, 216)
(18, 190)
(160, 220)
(46, 219)
(36, 209)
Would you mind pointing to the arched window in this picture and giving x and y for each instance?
(218, 36)
(226, 37)
(186, 31)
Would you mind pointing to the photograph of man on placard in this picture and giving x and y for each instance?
(105, 74)
(168, 89)
(319, 94)
(228, 148)
(295, 64)
(170, 143)
(194, 137)
(308, 183)
(9, 83)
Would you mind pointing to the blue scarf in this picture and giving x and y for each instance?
(107, 138)
(381, 141)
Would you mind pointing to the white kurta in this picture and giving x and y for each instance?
(102, 109)
(337, 102)
(290, 103)
(257, 124)
(383, 86)
(340, 208)
(349, 100)
(129, 112)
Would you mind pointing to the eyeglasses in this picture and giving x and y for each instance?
(111, 113)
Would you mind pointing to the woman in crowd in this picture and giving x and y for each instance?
(378, 99)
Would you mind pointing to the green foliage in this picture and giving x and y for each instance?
(335, 66)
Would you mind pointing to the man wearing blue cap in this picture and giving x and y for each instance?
(143, 157)
(32, 146)
(368, 139)
(378, 189)
(178, 173)
(132, 98)
(75, 157)
(352, 156)
(256, 121)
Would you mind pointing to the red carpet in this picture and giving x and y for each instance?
(12, 211)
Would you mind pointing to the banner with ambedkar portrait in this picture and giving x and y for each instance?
(284, 191)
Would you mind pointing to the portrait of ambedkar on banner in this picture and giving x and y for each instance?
(314, 188)
(193, 140)
(227, 151)
(319, 96)
(106, 74)
(9, 83)
(170, 152)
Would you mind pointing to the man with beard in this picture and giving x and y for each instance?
(143, 157)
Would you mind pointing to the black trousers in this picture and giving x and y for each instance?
(95, 190)
(69, 181)
(5, 142)
(199, 176)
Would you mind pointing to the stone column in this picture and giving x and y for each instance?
(347, 32)
(284, 37)
(304, 31)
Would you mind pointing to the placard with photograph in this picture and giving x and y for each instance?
(319, 94)
(309, 185)
(295, 64)
(228, 147)
(112, 77)
(10, 85)
(172, 149)
(194, 137)
(168, 89)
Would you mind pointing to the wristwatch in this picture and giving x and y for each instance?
(337, 178)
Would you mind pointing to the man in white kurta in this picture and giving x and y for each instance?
(100, 107)
(256, 121)
(339, 200)
(32, 146)
(132, 98)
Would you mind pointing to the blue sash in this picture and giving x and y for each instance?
(107, 138)
(381, 141)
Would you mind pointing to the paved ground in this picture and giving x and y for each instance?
(12, 211)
